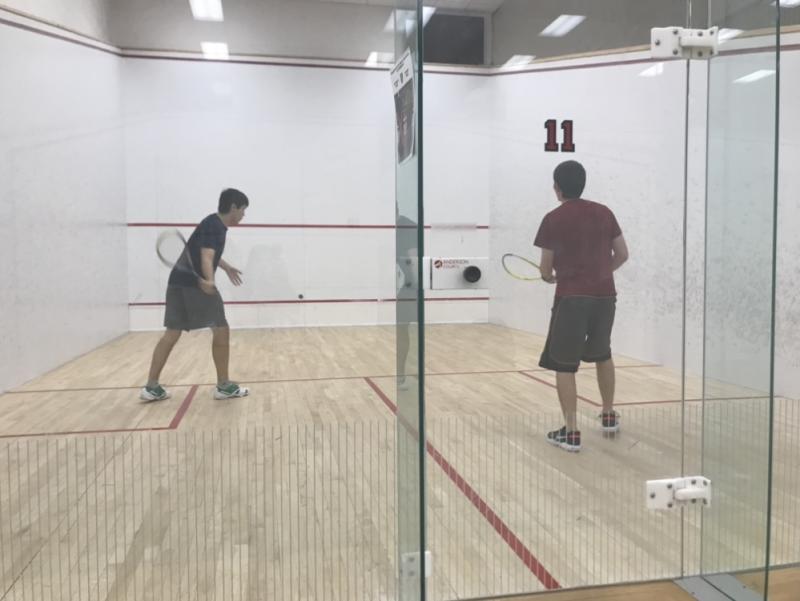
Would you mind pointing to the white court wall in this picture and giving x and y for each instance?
(88, 17)
(311, 147)
(787, 339)
(629, 135)
(632, 146)
(62, 210)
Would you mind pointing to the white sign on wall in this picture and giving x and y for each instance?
(455, 273)
(404, 106)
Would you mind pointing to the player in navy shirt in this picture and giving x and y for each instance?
(193, 301)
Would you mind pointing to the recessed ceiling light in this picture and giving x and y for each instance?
(427, 13)
(756, 76)
(207, 10)
(518, 60)
(376, 58)
(653, 71)
(728, 34)
(215, 50)
(562, 26)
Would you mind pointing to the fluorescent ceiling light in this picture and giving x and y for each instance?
(207, 10)
(728, 34)
(376, 58)
(788, 3)
(215, 50)
(562, 26)
(519, 60)
(427, 13)
(653, 71)
(755, 76)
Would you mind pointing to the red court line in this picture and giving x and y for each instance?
(591, 402)
(546, 383)
(311, 226)
(77, 432)
(326, 301)
(321, 379)
(176, 421)
(98, 389)
(187, 401)
(49, 34)
(505, 532)
(730, 398)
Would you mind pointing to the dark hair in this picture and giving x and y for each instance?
(571, 179)
(231, 197)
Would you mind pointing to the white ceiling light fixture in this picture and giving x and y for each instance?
(562, 26)
(756, 76)
(788, 3)
(207, 10)
(427, 13)
(215, 50)
(728, 34)
(654, 71)
(518, 60)
(376, 58)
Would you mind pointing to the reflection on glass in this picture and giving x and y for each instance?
(406, 85)
(740, 234)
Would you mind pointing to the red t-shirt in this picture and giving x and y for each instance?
(579, 233)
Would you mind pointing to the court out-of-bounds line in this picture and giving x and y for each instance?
(173, 425)
(503, 529)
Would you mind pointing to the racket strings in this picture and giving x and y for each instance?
(172, 250)
(521, 268)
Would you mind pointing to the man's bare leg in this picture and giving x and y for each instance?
(221, 350)
(161, 354)
(606, 381)
(568, 397)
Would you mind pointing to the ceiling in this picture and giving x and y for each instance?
(479, 6)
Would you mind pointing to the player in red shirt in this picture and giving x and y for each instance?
(582, 242)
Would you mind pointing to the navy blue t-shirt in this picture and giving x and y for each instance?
(209, 234)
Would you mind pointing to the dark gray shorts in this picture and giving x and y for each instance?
(580, 330)
(189, 308)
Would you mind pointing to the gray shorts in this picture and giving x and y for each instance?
(580, 330)
(189, 308)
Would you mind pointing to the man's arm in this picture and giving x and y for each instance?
(234, 274)
(620, 250)
(546, 266)
(206, 281)
(207, 264)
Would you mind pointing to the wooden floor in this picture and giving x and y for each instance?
(660, 591)
(292, 492)
(784, 586)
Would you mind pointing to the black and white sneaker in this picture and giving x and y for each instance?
(569, 441)
(609, 421)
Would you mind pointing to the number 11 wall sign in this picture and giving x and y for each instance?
(551, 125)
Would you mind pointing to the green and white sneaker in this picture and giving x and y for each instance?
(230, 390)
(154, 393)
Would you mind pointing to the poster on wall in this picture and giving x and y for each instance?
(404, 106)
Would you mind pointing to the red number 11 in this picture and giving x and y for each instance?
(551, 125)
